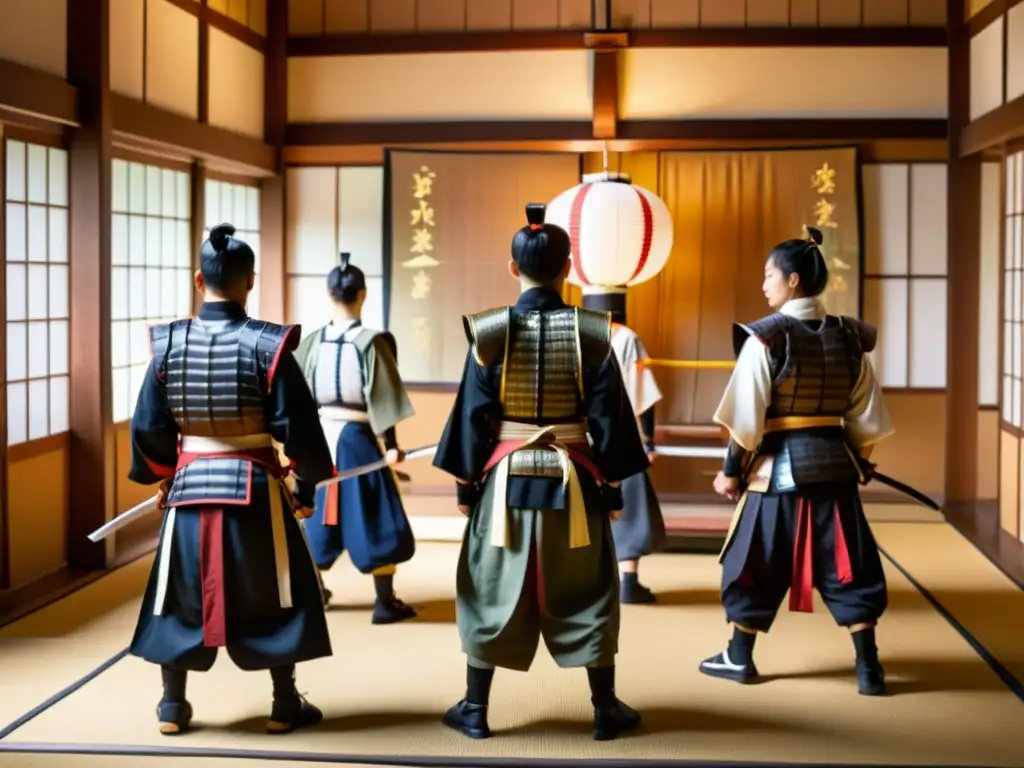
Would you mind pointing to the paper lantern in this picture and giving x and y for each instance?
(621, 233)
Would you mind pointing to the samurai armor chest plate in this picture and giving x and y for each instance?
(542, 376)
(815, 371)
(216, 379)
(339, 379)
(214, 385)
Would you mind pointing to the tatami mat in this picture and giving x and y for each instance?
(385, 688)
(976, 593)
(55, 646)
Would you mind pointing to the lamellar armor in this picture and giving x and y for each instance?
(814, 373)
(217, 377)
(542, 359)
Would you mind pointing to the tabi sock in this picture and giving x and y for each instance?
(864, 643)
(384, 586)
(602, 685)
(478, 685)
(741, 647)
(174, 684)
(284, 681)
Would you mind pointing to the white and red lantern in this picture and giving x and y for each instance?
(621, 233)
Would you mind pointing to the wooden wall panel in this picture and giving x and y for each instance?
(884, 13)
(768, 13)
(393, 15)
(343, 16)
(236, 85)
(988, 320)
(1009, 481)
(976, 6)
(720, 13)
(380, 88)
(987, 471)
(987, 69)
(1015, 52)
(305, 17)
(485, 15)
(34, 33)
(627, 14)
(839, 13)
(764, 83)
(172, 58)
(441, 15)
(37, 511)
(127, 71)
(927, 13)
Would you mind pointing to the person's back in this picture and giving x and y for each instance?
(539, 437)
(232, 569)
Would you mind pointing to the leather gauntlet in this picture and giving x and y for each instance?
(737, 459)
(467, 494)
(612, 496)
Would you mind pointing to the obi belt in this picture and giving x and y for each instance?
(567, 442)
(259, 449)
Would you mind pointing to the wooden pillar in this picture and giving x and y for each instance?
(197, 184)
(964, 238)
(92, 435)
(272, 191)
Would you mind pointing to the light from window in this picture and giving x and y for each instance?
(37, 330)
(151, 275)
(239, 206)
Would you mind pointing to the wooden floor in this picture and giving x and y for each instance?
(950, 642)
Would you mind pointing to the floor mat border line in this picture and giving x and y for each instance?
(1005, 675)
(406, 761)
(61, 694)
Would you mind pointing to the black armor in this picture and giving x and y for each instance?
(216, 376)
(815, 367)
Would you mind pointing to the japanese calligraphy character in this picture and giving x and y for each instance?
(421, 285)
(824, 180)
(823, 209)
(423, 182)
(424, 214)
(422, 241)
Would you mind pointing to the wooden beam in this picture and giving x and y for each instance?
(605, 92)
(197, 221)
(707, 37)
(37, 94)
(989, 14)
(963, 233)
(203, 94)
(883, 151)
(92, 436)
(994, 128)
(273, 241)
(338, 134)
(225, 24)
(163, 128)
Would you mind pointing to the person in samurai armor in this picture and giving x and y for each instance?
(537, 558)
(803, 409)
(640, 529)
(232, 567)
(352, 371)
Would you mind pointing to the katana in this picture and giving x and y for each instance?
(690, 451)
(138, 511)
(416, 453)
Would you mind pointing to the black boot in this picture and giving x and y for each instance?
(870, 675)
(631, 591)
(611, 716)
(174, 712)
(469, 716)
(387, 608)
(736, 663)
(290, 710)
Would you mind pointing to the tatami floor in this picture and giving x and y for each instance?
(952, 644)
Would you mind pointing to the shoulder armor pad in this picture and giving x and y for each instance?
(595, 329)
(866, 334)
(768, 330)
(271, 340)
(160, 336)
(368, 337)
(487, 333)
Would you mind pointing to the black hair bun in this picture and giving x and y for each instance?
(535, 213)
(220, 235)
(815, 235)
(343, 260)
